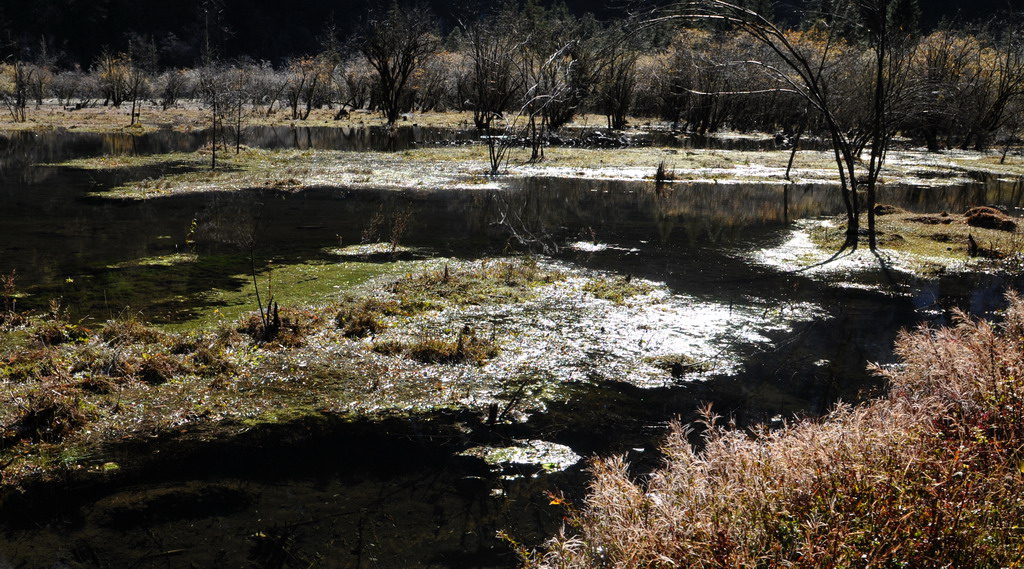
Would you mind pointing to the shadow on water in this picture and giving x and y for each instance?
(397, 493)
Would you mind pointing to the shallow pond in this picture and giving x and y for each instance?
(407, 493)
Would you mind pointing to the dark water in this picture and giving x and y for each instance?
(397, 497)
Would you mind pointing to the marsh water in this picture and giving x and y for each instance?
(398, 493)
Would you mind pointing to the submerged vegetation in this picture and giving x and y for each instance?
(927, 476)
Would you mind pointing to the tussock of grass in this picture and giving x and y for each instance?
(928, 476)
(467, 348)
(287, 327)
(365, 317)
(130, 330)
(56, 329)
(48, 416)
(678, 364)
(615, 289)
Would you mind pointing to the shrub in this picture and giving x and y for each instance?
(927, 477)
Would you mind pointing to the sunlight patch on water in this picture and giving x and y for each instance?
(543, 455)
(595, 247)
(588, 246)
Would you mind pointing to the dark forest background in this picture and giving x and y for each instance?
(75, 32)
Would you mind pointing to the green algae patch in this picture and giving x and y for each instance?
(185, 291)
(171, 260)
(289, 284)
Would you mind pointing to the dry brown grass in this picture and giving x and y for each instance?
(929, 476)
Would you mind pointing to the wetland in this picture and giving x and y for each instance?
(445, 349)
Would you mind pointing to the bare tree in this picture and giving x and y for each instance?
(356, 76)
(140, 63)
(238, 91)
(112, 75)
(949, 72)
(805, 69)
(266, 87)
(1003, 72)
(170, 86)
(396, 43)
(211, 86)
(43, 72)
(618, 81)
(15, 78)
(67, 85)
(308, 80)
(493, 43)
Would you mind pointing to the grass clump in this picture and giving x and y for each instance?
(159, 368)
(365, 317)
(989, 218)
(466, 348)
(48, 416)
(616, 289)
(129, 330)
(282, 327)
(677, 364)
(55, 328)
(928, 476)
